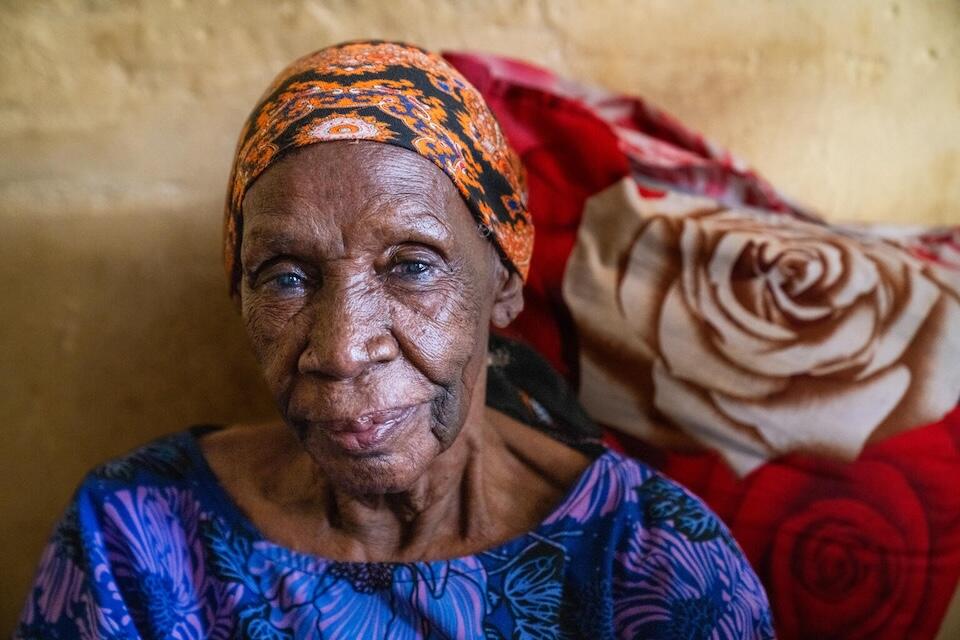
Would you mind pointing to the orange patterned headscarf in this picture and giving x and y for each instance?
(396, 94)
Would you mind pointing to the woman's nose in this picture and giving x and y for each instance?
(347, 338)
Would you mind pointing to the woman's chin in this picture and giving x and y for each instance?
(378, 473)
(369, 477)
(389, 456)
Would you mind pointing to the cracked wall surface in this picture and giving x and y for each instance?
(118, 118)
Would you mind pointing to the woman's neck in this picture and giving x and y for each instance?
(497, 480)
(451, 505)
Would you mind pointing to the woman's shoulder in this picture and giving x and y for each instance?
(158, 491)
(641, 498)
(168, 459)
(134, 519)
(672, 553)
(606, 488)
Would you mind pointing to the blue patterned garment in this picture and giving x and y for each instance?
(152, 547)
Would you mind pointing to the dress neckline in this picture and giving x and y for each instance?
(225, 506)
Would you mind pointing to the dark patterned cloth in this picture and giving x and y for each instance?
(395, 94)
(522, 385)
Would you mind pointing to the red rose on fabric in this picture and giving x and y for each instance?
(868, 549)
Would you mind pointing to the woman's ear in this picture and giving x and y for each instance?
(237, 299)
(508, 296)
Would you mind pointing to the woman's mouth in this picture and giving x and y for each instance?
(366, 432)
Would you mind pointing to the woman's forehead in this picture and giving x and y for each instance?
(365, 173)
(285, 227)
(362, 186)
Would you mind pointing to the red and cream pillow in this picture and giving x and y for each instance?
(754, 334)
(802, 377)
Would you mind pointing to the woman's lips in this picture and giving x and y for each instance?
(365, 432)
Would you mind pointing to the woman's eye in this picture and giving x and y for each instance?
(288, 281)
(412, 268)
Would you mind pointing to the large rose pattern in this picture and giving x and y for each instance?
(754, 334)
(802, 378)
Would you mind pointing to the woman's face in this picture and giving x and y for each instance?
(367, 292)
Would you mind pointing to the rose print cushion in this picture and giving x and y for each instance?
(802, 377)
(754, 334)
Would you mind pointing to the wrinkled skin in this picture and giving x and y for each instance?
(368, 292)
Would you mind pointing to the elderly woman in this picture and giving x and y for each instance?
(405, 494)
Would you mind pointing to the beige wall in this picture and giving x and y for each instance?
(117, 120)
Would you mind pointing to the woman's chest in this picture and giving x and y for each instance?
(536, 587)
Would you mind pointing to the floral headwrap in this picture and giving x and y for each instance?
(400, 95)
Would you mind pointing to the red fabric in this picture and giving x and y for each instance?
(868, 548)
(569, 155)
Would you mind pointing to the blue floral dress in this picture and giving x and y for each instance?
(152, 547)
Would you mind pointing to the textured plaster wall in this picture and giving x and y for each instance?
(117, 120)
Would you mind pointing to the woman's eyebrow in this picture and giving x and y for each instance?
(405, 202)
(408, 223)
(410, 211)
(270, 239)
(426, 222)
(262, 245)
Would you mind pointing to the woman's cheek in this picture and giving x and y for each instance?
(439, 335)
(273, 332)
(437, 329)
